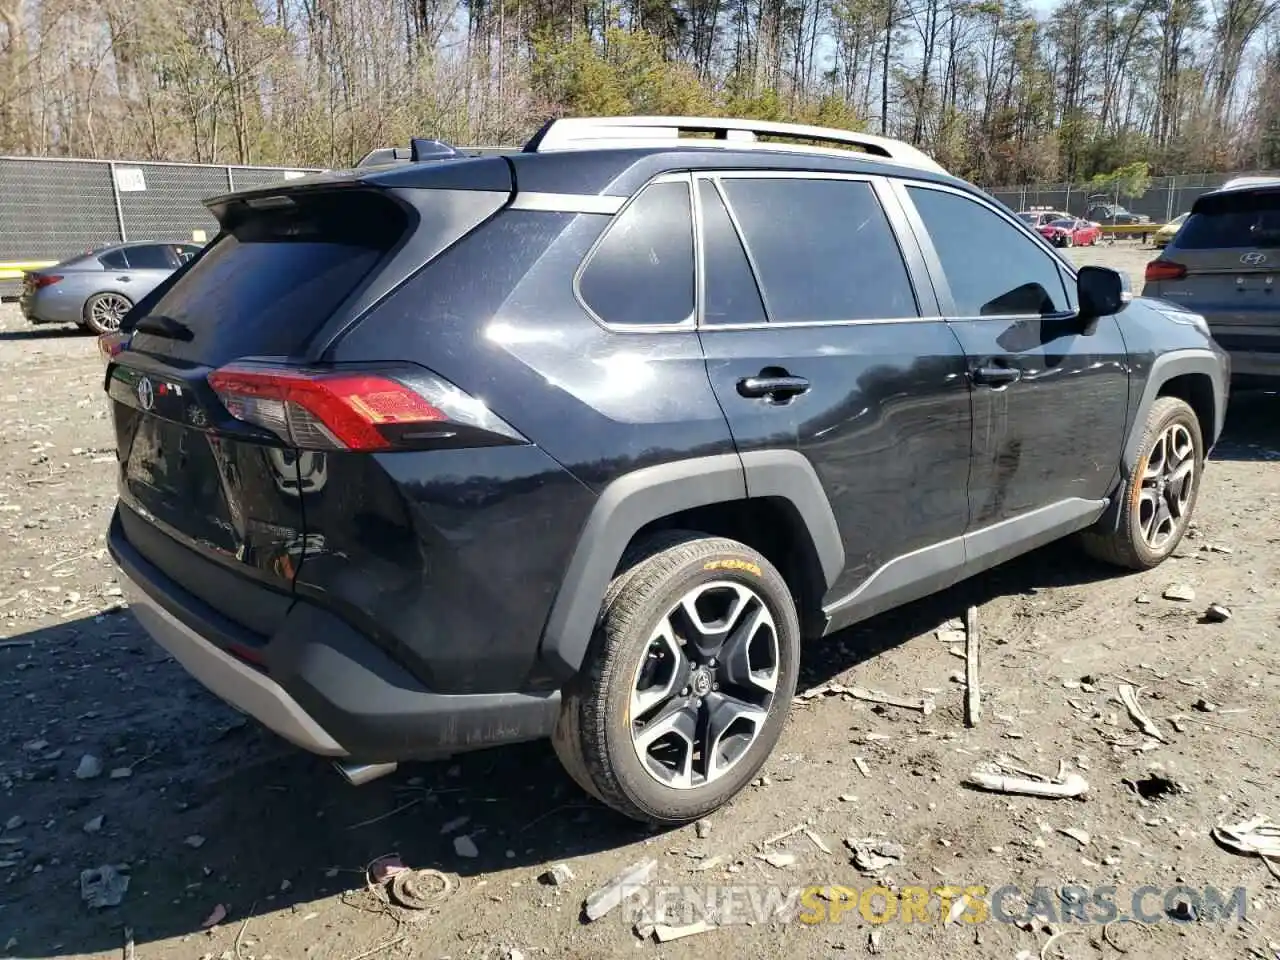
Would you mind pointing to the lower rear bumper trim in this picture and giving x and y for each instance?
(235, 682)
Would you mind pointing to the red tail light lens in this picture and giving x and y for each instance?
(355, 410)
(1165, 270)
(110, 344)
(44, 280)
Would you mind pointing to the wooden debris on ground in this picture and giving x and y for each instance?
(620, 888)
(1065, 785)
(1258, 836)
(973, 697)
(1129, 697)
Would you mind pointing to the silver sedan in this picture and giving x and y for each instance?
(98, 288)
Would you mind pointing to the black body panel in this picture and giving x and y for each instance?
(422, 601)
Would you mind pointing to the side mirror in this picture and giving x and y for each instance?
(1101, 292)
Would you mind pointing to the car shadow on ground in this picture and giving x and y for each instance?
(50, 332)
(1252, 430)
(280, 830)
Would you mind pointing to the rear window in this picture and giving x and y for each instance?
(274, 276)
(1244, 219)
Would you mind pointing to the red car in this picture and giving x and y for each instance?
(1071, 233)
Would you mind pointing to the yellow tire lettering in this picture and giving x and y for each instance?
(744, 566)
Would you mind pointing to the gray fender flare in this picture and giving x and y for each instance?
(1163, 369)
(1177, 363)
(639, 498)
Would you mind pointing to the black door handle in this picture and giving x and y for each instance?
(775, 388)
(995, 376)
(123, 279)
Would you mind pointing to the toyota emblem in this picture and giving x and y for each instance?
(146, 394)
(1253, 259)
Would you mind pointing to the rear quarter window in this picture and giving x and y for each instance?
(642, 271)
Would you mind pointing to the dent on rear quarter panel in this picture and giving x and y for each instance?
(449, 558)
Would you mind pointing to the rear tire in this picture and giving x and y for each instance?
(103, 312)
(687, 682)
(1159, 497)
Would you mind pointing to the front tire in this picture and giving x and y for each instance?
(687, 682)
(1160, 495)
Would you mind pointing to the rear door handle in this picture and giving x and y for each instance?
(996, 376)
(123, 279)
(774, 388)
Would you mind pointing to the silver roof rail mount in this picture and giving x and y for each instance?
(584, 133)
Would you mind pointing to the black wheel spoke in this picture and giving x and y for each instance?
(749, 659)
(661, 675)
(728, 727)
(668, 742)
(705, 618)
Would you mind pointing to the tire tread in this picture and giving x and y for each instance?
(581, 734)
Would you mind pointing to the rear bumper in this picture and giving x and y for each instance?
(322, 686)
(38, 309)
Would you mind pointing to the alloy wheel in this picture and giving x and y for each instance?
(703, 690)
(1168, 481)
(108, 310)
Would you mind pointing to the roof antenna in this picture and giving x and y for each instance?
(420, 148)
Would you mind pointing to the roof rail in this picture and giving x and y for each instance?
(581, 133)
(1238, 183)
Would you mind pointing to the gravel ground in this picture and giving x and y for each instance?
(212, 817)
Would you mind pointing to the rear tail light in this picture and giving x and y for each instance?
(39, 280)
(360, 410)
(110, 344)
(1165, 270)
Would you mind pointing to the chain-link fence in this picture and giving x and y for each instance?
(1164, 199)
(51, 209)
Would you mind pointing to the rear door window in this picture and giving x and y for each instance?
(992, 267)
(823, 248)
(642, 271)
(1249, 219)
(115, 260)
(274, 276)
(152, 256)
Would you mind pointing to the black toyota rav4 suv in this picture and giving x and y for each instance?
(584, 440)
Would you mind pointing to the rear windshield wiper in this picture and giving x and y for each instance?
(162, 326)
